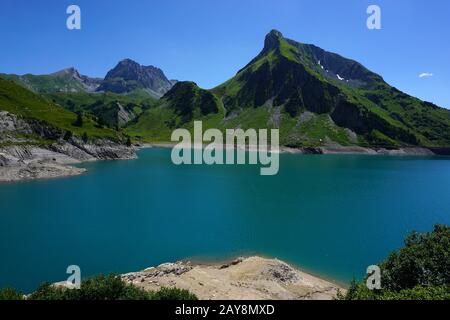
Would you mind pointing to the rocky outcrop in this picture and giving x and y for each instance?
(252, 278)
(100, 150)
(15, 129)
(123, 115)
(10, 123)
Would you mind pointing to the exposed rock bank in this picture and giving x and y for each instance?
(25, 162)
(333, 149)
(23, 159)
(338, 149)
(252, 278)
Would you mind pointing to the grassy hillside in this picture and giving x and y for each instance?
(111, 109)
(182, 105)
(26, 104)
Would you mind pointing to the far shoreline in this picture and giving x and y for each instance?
(48, 170)
(322, 150)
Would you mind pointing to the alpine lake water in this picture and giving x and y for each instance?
(331, 215)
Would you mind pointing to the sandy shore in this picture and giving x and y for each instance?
(252, 278)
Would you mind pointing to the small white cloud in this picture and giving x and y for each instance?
(425, 74)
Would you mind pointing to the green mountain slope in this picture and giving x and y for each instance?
(111, 109)
(179, 107)
(94, 96)
(36, 109)
(67, 80)
(313, 96)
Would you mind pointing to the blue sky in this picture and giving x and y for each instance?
(207, 41)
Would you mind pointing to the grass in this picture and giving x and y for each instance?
(24, 103)
(82, 100)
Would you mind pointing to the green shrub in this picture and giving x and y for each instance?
(110, 287)
(79, 121)
(68, 135)
(85, 137)
(418, 271)
(97, 288)
(424, 260)
(359, 291)
(172, 294)
(10, 294)
(128, 143)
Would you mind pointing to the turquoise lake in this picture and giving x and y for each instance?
(332, 215)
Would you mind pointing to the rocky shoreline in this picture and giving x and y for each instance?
(251, 278)
(29, 162)
(338, 149)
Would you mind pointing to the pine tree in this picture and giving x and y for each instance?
(79, 121)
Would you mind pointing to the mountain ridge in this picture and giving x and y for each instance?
(316, 98)
(127, 76)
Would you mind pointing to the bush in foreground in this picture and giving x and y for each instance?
(110, 287)
(10, 294)
(418, 271)
(172, 294)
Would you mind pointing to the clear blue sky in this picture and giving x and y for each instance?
(207, 41)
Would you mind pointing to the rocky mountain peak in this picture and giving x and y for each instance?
(128, 62)
(128, 75)
(67, 72)
(272, 40)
